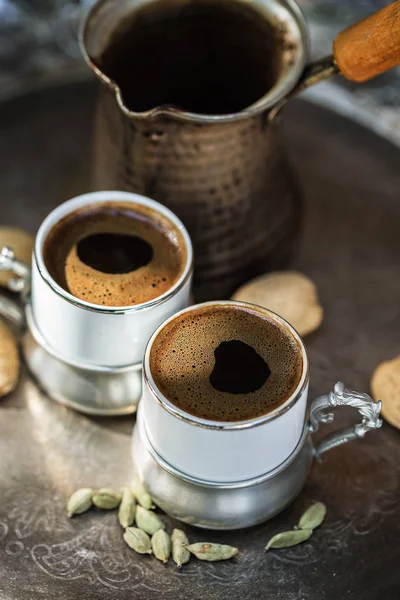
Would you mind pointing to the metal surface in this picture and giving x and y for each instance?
(350, 248)
(234, 171)
(316, 72)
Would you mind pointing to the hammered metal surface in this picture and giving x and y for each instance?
(350, 248)
(229, 183)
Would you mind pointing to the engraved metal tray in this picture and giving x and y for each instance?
(350, 247)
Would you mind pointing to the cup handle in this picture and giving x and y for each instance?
(22, 282)
(320, 413)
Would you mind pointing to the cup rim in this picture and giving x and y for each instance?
(98, 198)
(271, 98)
(226, 425)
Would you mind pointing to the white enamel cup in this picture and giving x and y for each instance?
(224, 452)
(89, 336)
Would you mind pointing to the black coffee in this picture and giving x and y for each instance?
(225, 363)
(200, 56)
(115, 254)
(238, 368)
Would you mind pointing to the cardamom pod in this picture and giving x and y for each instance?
(161, 544)
(138, 540)
(148, 521)
(106, 498)
(141, 494)
(80, 502)
(180, 553)
(313, 517)
(127, 509)
(212, 552)
(286, 539)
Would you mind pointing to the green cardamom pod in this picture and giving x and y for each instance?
(138, 540)
(286, 539)
(106, 499)
(161, 544)
(80, 502)
(313, 517)
(212, 552)
(127, 509)
(141, 494)
(148, 521)
(180, 553)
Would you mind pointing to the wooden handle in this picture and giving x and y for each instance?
(370, 47)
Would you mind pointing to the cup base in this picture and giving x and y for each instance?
(220, 506)
(87, 391)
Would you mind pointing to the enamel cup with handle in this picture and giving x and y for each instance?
(228, 475)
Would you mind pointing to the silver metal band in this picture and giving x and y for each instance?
(320, 412)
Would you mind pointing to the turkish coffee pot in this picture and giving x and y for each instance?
(189, 115)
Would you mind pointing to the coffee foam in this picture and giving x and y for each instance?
(182, 360)
(132, 288)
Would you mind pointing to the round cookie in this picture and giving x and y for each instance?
(289, 294)
(385, 386)
(9, 360)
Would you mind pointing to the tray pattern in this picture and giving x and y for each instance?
(350, 248)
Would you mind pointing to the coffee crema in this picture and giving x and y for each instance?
(226, 363)
(115, 253)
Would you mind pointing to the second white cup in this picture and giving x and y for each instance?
(89, 335)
